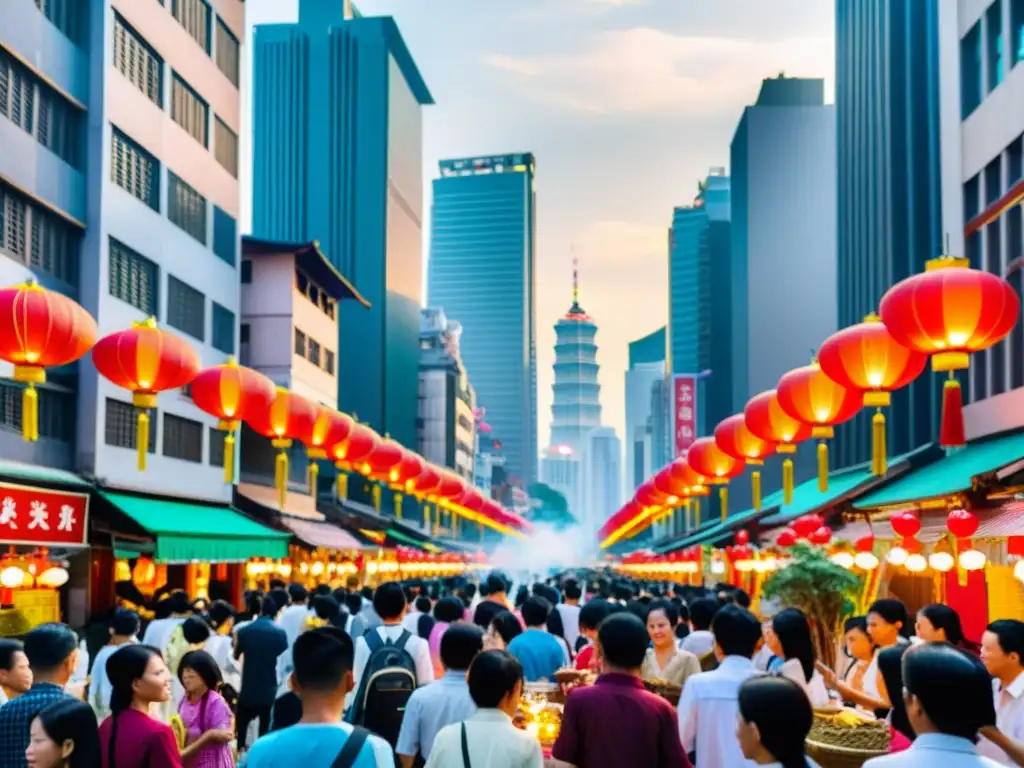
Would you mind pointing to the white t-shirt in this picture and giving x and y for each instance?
(816, 689)
(417, 647)
(570, 621)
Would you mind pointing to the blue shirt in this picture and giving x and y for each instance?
(430, 709)
(315, 746)
(539, 653)
(16, 716)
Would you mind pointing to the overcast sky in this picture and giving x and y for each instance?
(625, 103)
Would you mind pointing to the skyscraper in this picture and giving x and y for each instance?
(783, 158)
(481, 271)
(646, 366)
(602, 484)
(889, 184)
(337, 135)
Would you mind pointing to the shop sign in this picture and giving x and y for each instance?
(42, 517)
(684, 413)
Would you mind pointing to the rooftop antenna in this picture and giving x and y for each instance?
(575, 277)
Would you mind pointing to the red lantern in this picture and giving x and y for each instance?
(707, 459)
(228, 393)
(685, 475)
(864, 544)
(734, 438)
(742, 536)
(807, 524)
(330, 429)
(949, 312)
(811, 396)
(289, 417)
(787, 538)
(40, 329)
(670, 484)
(962, 523)
(905, 524)
(359, 444)
(620, 523)
(648, 495)
(821, 536)
(866, 357)
(426, 481)
(409, 468)
(145, 360)
(384, 460)
(765, 418)
(451, 485)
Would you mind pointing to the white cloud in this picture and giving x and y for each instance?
(645, 71)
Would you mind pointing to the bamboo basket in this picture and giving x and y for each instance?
(834, 756)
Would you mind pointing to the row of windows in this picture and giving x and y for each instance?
(37, 238)
(186, 208)
(189, 110)
(40, 111)
(210, 32)
(310, 348)
(56, 412)
(135, 279)
(985, 50)
(315, 294)
(181, 438)
(68, 16)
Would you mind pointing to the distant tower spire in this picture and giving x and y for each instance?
(575, 278)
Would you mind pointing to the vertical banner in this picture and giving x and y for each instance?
(684, 413)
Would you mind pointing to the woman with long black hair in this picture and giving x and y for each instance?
(790, 640)
(130, 738)
(64, 735)
(938, 623)
(890, 682)
(774, 719)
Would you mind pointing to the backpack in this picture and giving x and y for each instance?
(388, 681)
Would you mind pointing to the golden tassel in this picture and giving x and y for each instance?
(376, 498)
(281, 471)
(229, 458)
(755, 488)
(426, 517)
(787, 481)
(879, 460)
(723, 501)
(696, 513)
(314, 475)
(343, 485)
(30, 413)
(398, 506)
(142, 438)
(822, 466)
(687, 509)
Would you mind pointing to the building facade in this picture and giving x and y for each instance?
(118, 186)
(561, 468)
(337, 158)
(783, 166)
(981, 49)
(889, 185)
(602, 479)
(446, 426)
(482, 271)
(646, 366)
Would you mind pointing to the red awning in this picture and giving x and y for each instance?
(324, 535)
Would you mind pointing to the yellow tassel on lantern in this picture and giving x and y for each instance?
(314, 474)
(376, 498)
(281, 470)
(696, 513)
(723, 501)
(822, 466)
(787, 481)
(229, 458)
(342, 484)
(755, 488)
(687, 509)
(398, 506)
(142, 438)
(30, 413)
(426, 516)
(879, 459)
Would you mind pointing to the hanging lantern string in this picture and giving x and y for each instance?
(229, 427)
(787, 481)
(281, 469)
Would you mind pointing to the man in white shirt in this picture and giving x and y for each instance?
(1002, 653)
(293, 618)
(124, 626)
(443, 702)
(569, 610)
(709, 704)
(948, 700)
(700, 641)
(420, 606)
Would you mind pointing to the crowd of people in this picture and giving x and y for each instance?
(432, 673)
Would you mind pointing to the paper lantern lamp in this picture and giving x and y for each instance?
(648, 495)
(866, 357)
(765, 418)
(350, 453)
(905, 524)
(812, 397)
(707, 459)
(734, 438)
(962, 523)
(329, 429)
(289, 417)
(228, 392)
(384, 460)
(145, 360)
(40, 329)
(949, 312)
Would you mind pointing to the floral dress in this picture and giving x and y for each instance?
(211, 712)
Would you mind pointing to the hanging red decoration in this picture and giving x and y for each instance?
(647, 495)
(787, 538)
(733, 436)
(707, 459)
(821, 536)
(962, 523)
(671, 484)
(905, 524)
(864, 544)
(805, 525)
(40, 329)
(742, 536)
(330, 429)
(426, 482)
(765, 418)
(289, 417)
(948, 312)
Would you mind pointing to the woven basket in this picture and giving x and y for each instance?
(834, 756)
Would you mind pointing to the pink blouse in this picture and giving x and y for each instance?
(216, 715)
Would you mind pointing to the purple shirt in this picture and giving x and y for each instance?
(617, 721)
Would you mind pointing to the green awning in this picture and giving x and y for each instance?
(187, 531)
(404, 538)
(32, 473)
(807, 498)
(699, 535)
(952, 474)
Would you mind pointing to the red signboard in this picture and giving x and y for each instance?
(684, 413)
(42, 517)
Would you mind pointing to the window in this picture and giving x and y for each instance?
(194, 16)
(13, 215)
(121, 426)
(313, 352)
(189, 111)
(65, 15)
(994, 180)
(300, 343)
(133, 278)
(227, 52)
(185, 307)
(1017, 30)
(329, 361)
(186, 208)
(995, 45)
(216, 447)
(183, 439)
(972, 205)
(1017, 335)
(314, 293)
(1015, 161)
(225, 146)
(246, 271)
(970, 71)
(134, 170)
(136, 60)
(301, 282)
(17, 93)
(223, 331)
(225, 239)
(243, 333)
(59, 127)
(54, 247)
(56, 412)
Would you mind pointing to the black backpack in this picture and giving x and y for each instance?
(388, 681)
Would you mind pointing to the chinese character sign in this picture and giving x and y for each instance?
(684, 413)
(42, 517)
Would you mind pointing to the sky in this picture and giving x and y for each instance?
(625, 104)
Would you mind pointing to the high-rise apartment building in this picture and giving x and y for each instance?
(337, 158)
(646, 366)
(602, 478)
(888, 184)
(118, 186)
(482, 271)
